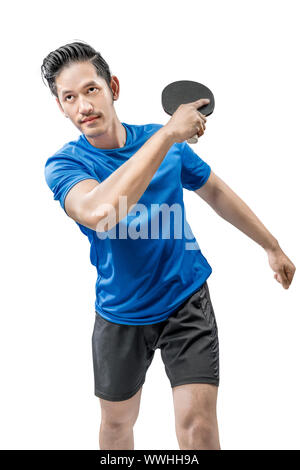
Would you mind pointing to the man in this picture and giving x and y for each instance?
(151, 289)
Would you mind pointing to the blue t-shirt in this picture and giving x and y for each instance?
(150, 262)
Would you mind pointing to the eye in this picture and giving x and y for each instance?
(91, 88)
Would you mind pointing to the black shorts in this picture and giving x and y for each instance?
(187, 339)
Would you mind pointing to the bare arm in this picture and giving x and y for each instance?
(232, 208)
(131, 179)
(92, 203)
(97, 205)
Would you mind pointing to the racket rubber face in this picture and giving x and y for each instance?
(186, 91)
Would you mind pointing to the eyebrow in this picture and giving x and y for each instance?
(92, 82)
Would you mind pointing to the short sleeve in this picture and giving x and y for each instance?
(194, 170)
(62, 173)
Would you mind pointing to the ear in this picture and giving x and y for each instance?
(60, 106)
(115, 86)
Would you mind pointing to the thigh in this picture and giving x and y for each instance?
(120, 359)
(121, 412)
(189, 342)
(195, 402)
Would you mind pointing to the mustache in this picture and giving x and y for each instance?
(90, 116)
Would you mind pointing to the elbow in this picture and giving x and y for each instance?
(99, 223)
(104, 218)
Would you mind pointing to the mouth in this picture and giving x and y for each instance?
(88, 121)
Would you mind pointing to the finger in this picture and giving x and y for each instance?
(202, 121)
(278, 278)
(202, 128)
(201, 102)
(283, 280)
(289, 273)
(200, 131)
(282, 273)
(286, 281)
(203, 117)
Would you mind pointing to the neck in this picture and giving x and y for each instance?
(114, 137)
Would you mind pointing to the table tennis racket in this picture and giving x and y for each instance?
(186, 91)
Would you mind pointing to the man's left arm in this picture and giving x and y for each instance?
(232, 208)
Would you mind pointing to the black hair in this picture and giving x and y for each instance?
(78, 51)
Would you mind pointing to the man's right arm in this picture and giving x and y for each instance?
(92, 204)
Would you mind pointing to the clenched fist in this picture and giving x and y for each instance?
(187, 121)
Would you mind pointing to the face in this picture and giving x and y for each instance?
(82, 95)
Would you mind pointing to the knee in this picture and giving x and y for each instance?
(116, 427)
(119, 422)
(200, 433)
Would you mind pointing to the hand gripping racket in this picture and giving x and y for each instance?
(186, 91)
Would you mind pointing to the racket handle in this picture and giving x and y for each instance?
(193, 140)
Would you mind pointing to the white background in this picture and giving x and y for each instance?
(248, 54)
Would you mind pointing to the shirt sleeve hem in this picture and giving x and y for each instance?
(194, 187)
(63, 198)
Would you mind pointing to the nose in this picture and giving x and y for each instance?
(84, 106)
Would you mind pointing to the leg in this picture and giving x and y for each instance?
(117, 421)
(190, 351)
(195, 416)
(120, 360)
